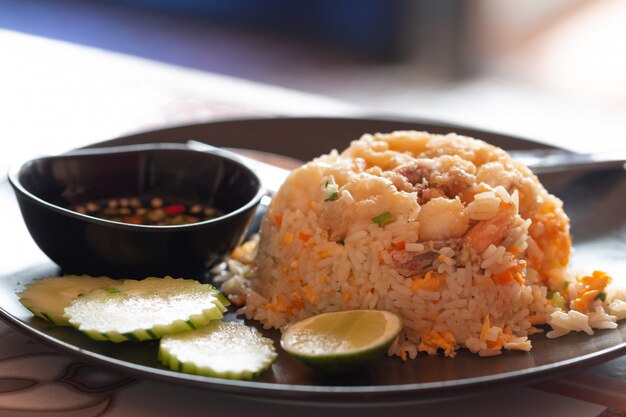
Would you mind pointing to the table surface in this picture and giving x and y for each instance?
(56, 96)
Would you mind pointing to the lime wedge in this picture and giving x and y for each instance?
(341, 341)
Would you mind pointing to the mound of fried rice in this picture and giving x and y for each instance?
(447, 231)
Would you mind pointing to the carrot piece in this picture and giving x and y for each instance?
(287, 238)
(278, 219)
(323, 254)
(498, 343)
(593, 285)
(485, 328)
(503, 277)
(583, 302)
(430, 282)
(399, 245)
(304, 236)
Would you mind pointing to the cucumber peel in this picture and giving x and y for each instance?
(146, 309)
(221, 349)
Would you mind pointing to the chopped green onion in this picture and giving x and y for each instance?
(550, 294)
(333, 196)
(331, 192)
(565, 285)
(383, 219)
(112, 290)
(558, 300)
(326, 185)
(341, 242)
(601, 296)
(247, 274)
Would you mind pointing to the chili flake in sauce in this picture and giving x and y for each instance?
(153, 212)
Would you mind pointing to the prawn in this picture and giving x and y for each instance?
(492, 231)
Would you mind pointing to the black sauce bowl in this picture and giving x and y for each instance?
(47, 187)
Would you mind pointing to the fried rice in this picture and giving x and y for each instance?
(447, 231)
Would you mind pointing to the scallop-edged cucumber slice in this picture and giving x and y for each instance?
(146, 309)
(341, 341)
(221, 349)
(48, 297)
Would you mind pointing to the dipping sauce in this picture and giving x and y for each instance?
(153, 212)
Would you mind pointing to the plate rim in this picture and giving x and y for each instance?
(332, 394)
(327, 394)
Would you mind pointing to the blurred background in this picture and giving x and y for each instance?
(539, 69)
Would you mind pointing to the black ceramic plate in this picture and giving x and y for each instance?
(594, 200)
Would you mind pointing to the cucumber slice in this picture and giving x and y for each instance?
(146, 309)
(221, 349)
(48, 297)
